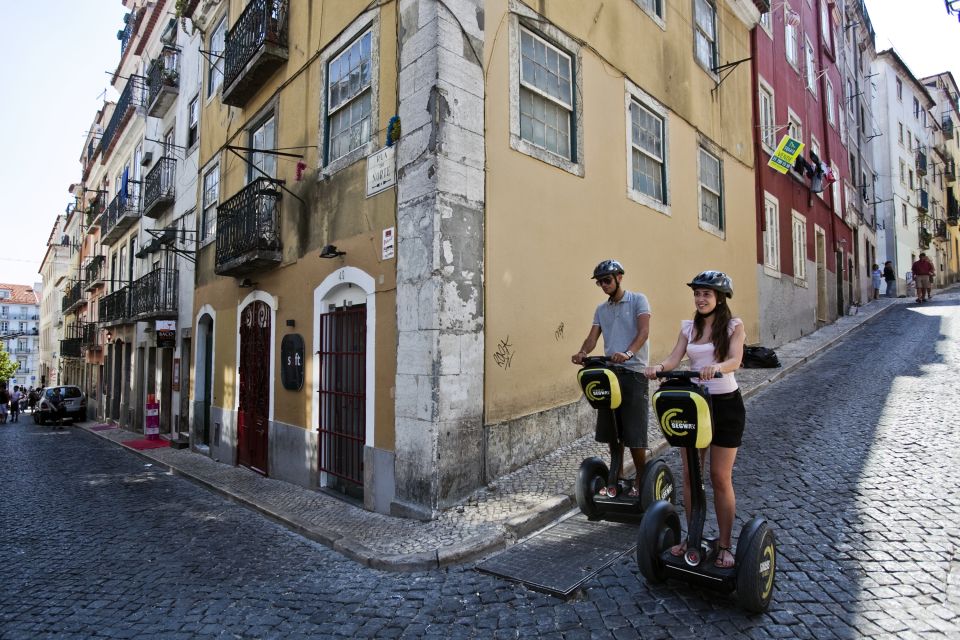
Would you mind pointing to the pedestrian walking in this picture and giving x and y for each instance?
(713, 341)
(877, 276)
(4, 401)
(923, 276)
(15, 404)
(891, 279)
(624, 322)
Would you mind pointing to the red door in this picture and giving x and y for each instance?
(254, 386)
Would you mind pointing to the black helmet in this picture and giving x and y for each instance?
(716, 280)
(606, 268)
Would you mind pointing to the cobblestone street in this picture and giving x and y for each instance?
(852, 459)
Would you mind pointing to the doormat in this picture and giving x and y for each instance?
(562, 558)
(140, 445)
(103, 427)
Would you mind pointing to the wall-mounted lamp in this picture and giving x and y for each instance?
(109, 337)
(330, 251)
(247, 283)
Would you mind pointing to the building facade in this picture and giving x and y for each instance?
(53, 271)
(943, 162)
(20, 332)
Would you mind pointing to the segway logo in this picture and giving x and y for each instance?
(597, 394)
(674, 427)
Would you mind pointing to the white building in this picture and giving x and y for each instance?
(53, 270)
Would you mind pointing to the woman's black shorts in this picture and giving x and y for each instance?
(729, 419)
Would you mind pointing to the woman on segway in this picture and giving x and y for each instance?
(713, 341)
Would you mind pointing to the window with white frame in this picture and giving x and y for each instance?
(766, 22)
(825, 24)
(811, 68)
(900, 132)
(771, 232)
(211, 196)
(903, 213)
(264, 136)
(349, 98)
(794, 126)
(791, 34)
(831, 115)
(899, 89)
(215, 58)
(647, 156)
(705, 33)
(799, 247)
(193, 122)
(768, 124)
(903, 172)
(711, 191)
(546, 95)
(916, 109)
(653, 7)
(835, 187)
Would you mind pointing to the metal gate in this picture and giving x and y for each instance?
(252, 440)
(343, 372)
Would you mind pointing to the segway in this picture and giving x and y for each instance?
(602, 390)
(683, 410)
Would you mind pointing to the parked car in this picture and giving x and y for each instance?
(72, 399)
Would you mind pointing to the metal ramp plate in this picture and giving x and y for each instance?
(560, 559)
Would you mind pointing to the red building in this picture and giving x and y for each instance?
(805, 242)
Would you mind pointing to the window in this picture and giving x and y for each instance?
(768, 123)
(916, 109)
(546, 95)
(791, 21)
(647, 163)
(263, 137)
(899, 89)
(4, 326)
(215, 58)
(771, 233)
(900, 132)
(711, 195)
(193, 122)
(835, 190)
(349, 98)
(910, 178)
(811, 68)
(828, 96)
(815, 147)
(903, 172)
(794, 127)
(766, 22)
(705, 33)
(903, 213)
(653, 7)
(211, 195)
(825, 25)
(799, 247)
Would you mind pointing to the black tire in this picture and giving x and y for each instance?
(756, 565)
(657, 484)
(38, 418)
(592, 476)
(659, 530)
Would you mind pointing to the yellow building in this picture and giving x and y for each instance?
(394, 321)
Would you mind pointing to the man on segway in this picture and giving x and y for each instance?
(624, 321)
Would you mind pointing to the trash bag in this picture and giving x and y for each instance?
(760, 358)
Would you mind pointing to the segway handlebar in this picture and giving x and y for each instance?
(684, 375)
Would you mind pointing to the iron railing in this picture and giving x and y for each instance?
(158, 187)
(953, 208)
(163, 81)
(947, 126)
(949, 170)
(921, 163)
(121, 213)
(154, 295)
(940, 229)
(923, 203)
(113, 308)
(93, 271)
(262, 24)
(248, 229)
(925, 237)
(124, 35)
(73, 297)
(96, 207)
(130, 98)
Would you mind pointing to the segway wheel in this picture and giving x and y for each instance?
(756, 565)
(657, 484)
(659, 530)
(592, 476)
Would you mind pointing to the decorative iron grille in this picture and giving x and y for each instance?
(249, 221)
(73, 296)
(163, 74)
(263, 21)
(113, 307)
(131, 97)
(155, 294)
(93, 271)
(121, 211)
(158, 185)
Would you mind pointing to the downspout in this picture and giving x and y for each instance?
(761, 222)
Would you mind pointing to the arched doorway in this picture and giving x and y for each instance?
(203, 380)
(254, 402)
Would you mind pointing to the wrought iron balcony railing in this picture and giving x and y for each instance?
(940, 229)
(163, 81)
(255, 46)
(921, 163)
(925, 237)
(158, 187)
(947, 126)
(71, 348)
(923, 203)
(113, 308)
(77, 337)
(121, 213)
(124, 35)
(248, 229)
(95, 209)
(73, 297)
(93, 272)
(154, 295)
(950, 170)
(953, 208)
(131, 97)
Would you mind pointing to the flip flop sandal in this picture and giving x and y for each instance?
(719, 562)
(678, 550)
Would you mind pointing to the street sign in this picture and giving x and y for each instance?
(381, 171)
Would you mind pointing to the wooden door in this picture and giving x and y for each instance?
(252, 437)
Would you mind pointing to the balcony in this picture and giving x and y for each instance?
(940, 229)
(947, 126)
(93, 272)
(113, 308)
(154, 296)
(90, 337)
(158, 187)
(77, 337)
(925, 237)
(953, 209)
(121, 213)
(923, 202)
(163, 82)
(248, 230)
(95, 210)
(131, 97)
(255, 47)
(73, 297)
(921, 163)
(950, 171)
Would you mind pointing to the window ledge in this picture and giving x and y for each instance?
(523, 146)
(800, 282)
(648, 201)
(347, 160)
(711, 229)
(771, 271)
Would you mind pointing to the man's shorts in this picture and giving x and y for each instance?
(631, 414)
(729, 419)
(923, 282)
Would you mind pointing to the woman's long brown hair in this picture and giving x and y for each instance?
(718, 328)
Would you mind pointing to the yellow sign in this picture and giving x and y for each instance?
(786, 154)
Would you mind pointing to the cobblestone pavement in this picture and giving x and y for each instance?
(851, 457)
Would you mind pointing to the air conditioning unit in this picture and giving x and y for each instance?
(146, 159)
